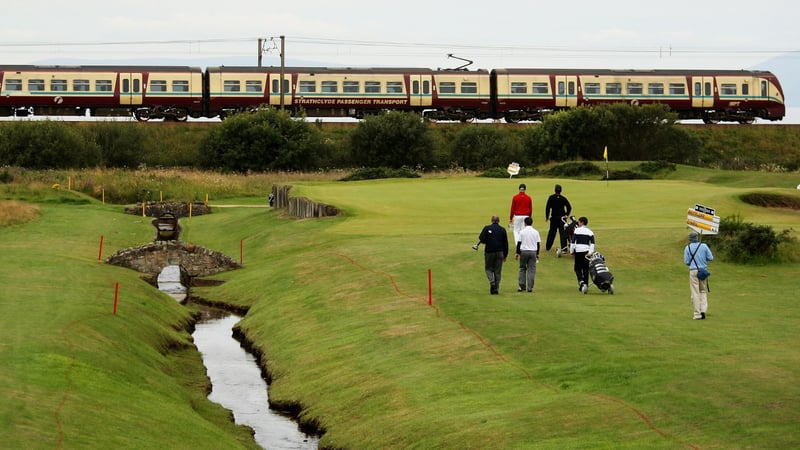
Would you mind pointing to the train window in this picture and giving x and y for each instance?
(745, 89)
(36, 85)
(655, 88)
(330, 86)
(447, 87)
(697, 89)
(426, 87)
(232, 86)
(372, 86)
(571, 88)
(763, 88)
(519, 88)
(158, 85)
(276, 83)
(308, 86)
(613, 88)
(253, 86)
(415, 87)
(707, 89)
(677, 89)
(351, 87)
(13, 85)
(560, 88)
(728, 89)
(58, 85)
(634, 88)
(469, 87)
(591, 88)
(394, 87)
(540, 88)
(103, 85)
(180, 86)
(80, 85)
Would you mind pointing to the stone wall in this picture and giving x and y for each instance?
(151, 258)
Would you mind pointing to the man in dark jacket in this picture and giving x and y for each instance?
(557, 207)
(495, 240)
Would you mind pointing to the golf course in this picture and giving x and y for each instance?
(376, 327)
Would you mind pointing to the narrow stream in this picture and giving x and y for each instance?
(237, 384)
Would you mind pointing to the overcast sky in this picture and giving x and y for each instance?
(730, 34)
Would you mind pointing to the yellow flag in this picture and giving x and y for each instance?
(605, 153)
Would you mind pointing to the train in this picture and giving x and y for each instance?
(511, 94)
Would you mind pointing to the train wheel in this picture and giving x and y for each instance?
(709, 121)
(181, 116)
(142, 115)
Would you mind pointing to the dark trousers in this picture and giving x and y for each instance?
(582, 267)
(556, 225)
(493, 263)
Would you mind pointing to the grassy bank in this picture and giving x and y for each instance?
(339, 309)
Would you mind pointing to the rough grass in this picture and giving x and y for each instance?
(14, 212)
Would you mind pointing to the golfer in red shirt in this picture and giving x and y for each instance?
(521, 207)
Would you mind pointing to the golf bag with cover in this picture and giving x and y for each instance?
(569, 225)
(598, 271)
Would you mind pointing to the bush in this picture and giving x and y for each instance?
(627, 175)
(266, 139)
(373, 173)
(656, 166)
(477, 148)
(46, 145)
(574, 170)
(747, 243)
(393, 139)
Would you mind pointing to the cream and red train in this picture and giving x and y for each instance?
(179, 92)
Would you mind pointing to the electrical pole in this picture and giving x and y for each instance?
(283, 66)
(260, 50)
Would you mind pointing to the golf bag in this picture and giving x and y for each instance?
(569, 224)
(599, 273)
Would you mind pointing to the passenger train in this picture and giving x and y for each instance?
(514, 94)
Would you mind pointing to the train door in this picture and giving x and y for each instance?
(275, 90)
(702, 92)
(420, 93)
(130, 89)
(566, 91)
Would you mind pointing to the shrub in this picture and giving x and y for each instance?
(266, 139)
(574, 169)
(393, 139)
(656, 166)
(373, 173)
(46, 145)
(747, 243)
(627, 175)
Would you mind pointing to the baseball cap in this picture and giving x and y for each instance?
(522, 187)
(693, 236)
(558, 188)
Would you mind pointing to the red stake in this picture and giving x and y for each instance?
(116, 296)
(430, 289)
(241, 250)
(100, 253)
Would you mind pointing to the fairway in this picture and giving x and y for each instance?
(340, 312)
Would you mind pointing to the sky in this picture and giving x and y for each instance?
(613, 34)
(730, 34)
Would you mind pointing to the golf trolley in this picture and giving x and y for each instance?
(599, 273)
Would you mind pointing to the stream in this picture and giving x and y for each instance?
(237, 384)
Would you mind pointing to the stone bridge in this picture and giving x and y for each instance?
(152, 258)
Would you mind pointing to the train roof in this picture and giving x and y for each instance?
(660, 72)
(366, 70)
(92, 68)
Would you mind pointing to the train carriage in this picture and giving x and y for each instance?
(712, 96)
(143, 91)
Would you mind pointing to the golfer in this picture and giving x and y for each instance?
(521, 207)
(495, 241)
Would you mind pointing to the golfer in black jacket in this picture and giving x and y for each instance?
(557, 207)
